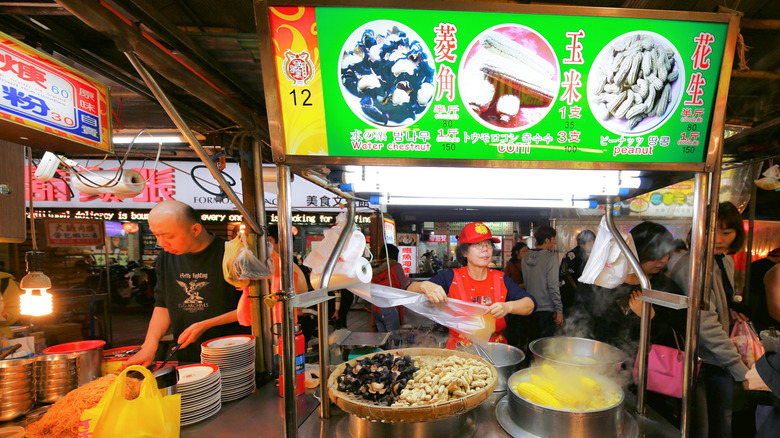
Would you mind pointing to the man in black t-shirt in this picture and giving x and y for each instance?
(191, 296)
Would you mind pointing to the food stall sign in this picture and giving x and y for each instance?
(389, 230)
(45, 103)
(74, 232)
(560, 86)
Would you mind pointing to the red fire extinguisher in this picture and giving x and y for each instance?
(300, 350)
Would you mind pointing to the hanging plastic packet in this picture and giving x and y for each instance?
(471, 320)
(607, 266)
(248, 267)
(771, 179)
(351, 267)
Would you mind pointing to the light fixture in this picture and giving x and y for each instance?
(32, 303)
(143, 139)
(488, 202)
(35, 301)
(488, 182)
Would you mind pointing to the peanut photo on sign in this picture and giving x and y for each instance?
(387, 74)
(635, 83)
(509, 78)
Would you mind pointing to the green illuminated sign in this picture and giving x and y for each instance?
(365, 82)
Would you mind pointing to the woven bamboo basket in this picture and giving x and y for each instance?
(410, 414)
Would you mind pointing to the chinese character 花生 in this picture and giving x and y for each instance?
(703, 50)
(695, 90)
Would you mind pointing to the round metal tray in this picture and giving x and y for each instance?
(462, 426)
(630, 428)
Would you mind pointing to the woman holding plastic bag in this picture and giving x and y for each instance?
(476, 283)
(721, 362)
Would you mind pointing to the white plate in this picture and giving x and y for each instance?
(200, 392)
(193, 373)
(197, 386)
(192, 420)
(238, 388)
(230, 398)
(238, 371)
(236, 341)
(191, 408)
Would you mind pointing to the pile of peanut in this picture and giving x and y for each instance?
(442, 379)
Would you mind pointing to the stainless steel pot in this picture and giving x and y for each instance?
(584, 354)
(90, 355)
(552, 423)
(506, 359)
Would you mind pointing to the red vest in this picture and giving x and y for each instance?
(384, 278)
(464, 289)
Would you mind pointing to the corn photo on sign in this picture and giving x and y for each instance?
(423, 84)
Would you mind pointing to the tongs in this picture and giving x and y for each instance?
(479, 349)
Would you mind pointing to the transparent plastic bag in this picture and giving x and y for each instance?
(747, 342)
(249, 267)
(607, 266)
(471, 320)
(349, 256)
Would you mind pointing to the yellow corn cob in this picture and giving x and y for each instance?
(551, 373)
(505, 46)
(590, 385)
(570, 398)
(537, 395)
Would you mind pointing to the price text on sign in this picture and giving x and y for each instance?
(39, 92)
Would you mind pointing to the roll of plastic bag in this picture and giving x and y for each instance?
(345, 276)
(462, 316)
(352, 251)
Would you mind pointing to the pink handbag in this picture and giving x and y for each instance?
(664, 369)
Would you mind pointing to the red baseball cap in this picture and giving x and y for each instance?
(476, 232)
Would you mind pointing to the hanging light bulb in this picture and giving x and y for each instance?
(32, 303)
(36, 301)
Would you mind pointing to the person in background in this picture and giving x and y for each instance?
(572, 265)
(721, 362)
(306, 318)
(476, 283)
(680, 249)
(427, 264)
(540, 271)
(763, 310)
(514, 268)
(191, 296)
(388, 272)
(613, 315)
(765, 376)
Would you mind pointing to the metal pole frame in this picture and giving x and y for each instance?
(322, 308)
(193, 140)
(261, 315)
(644, 328)
(754, 169)
(286, 294)
(698, 243)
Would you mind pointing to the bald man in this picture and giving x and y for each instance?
(191, 297)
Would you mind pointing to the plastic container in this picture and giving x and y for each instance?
(91, 356)
(300, 361)
(111, 365)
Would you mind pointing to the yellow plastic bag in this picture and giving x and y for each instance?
(149, 416)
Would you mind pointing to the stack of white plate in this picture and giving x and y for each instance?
(201, 392)
(235, 356)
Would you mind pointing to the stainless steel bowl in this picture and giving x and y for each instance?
(552, 423)
(9, 412)
(19, 398)
(13, 385)
(59, 375)
(584, 354)
(506, 359)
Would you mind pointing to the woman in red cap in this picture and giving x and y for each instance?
(476, 283)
